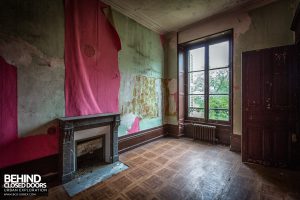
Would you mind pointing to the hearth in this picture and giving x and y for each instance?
(86, 143)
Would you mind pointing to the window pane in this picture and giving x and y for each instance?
(219, 115)
(218, 101)
(219, 55)
(196, 59)
(196, 101)
(219, 81)
(196, 112)
(196, 83)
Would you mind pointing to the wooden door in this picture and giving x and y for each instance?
(268, 102)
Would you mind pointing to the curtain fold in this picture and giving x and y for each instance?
(91, 58)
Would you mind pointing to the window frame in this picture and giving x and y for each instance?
(205, 42)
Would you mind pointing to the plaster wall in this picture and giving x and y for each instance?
(259, 28)
(32, 39)
(171, 79)
(141, 62)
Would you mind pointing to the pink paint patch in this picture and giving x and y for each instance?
(91, 57)
(8, 105)
(14, 150)
(28, 148)
(135, 126)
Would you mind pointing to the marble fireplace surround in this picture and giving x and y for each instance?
(73, 127)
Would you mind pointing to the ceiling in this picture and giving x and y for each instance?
(164, 16)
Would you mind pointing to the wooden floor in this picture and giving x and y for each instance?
(183, 169)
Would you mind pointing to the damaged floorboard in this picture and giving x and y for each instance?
(184, 169)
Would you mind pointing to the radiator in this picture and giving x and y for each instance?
(204, 132)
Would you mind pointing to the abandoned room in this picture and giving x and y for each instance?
(150, 99)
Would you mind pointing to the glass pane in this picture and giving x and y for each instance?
(219, 55)
(196, 59)
(196, 83)
(196, 101)
(219, 115)
(219, 81)
(196, 112)
(218, 101)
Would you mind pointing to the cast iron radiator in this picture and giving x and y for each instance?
(204, 132)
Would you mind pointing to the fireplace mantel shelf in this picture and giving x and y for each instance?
(87, 116)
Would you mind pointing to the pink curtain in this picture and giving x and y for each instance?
(8, 103)
(91, 57)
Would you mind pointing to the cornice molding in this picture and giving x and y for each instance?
(137, 16)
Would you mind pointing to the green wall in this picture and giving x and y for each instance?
(270, 27)
(141, 62)
(262, 27)
(32, 39)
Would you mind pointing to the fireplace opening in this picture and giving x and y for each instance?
(90, 154)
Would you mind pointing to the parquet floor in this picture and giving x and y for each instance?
(184, 169)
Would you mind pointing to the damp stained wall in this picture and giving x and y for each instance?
(259, 28)
(32, 39)
(171, 79)
(141, 63)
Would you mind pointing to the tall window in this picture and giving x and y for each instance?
(208, 80)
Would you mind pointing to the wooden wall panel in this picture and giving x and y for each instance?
(129, 142)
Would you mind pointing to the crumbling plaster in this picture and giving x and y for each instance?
(141, 62)
(262, 27)
(32, 39)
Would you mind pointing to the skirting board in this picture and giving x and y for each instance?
(129, 142)
(235, 143)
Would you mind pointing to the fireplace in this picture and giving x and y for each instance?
(86, 143)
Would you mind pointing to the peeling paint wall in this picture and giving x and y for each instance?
(263, 27)
(141, 63)
(32, 38)
(171, 79)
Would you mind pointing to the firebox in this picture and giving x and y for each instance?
(86, 143)
(89, 153)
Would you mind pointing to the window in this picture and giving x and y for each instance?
(208, 84)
